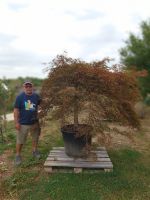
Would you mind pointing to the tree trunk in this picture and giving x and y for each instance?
(76, 122)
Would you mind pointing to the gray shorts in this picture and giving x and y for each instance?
(22, 134)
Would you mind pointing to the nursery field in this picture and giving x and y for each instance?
(130, 179)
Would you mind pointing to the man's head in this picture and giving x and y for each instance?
(28, 87)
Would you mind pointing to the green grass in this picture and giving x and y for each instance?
(130, 179)
(8, 141)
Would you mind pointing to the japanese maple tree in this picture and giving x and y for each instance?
(90, 93)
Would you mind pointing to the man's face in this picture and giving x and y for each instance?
(28, 88)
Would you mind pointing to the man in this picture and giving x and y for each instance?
(26, 120)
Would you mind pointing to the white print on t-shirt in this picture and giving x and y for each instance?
(29, 105)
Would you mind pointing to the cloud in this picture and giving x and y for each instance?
(105, 40)
(85, 15)
(12, 57)
(17, 62)
(35, 31)
(6, 39)
(17, 7)
(9, 54)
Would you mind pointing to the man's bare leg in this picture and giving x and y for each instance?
(18, 149)
(35, 151)
(34, 146)
(18, 152)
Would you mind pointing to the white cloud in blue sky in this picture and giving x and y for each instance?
(35, 31)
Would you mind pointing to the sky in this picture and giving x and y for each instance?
(33, 32)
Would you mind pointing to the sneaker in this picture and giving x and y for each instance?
(36, 154)
(18, 160)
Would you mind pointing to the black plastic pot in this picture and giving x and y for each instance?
(76, 144)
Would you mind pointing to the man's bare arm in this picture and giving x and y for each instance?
(16, 118)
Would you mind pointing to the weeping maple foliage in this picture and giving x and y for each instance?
(90, 93)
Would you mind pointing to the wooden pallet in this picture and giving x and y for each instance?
(58, 161)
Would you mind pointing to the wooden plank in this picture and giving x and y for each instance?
(64, 156)
(77, 170)
(62, 148)
(72, 170)
(92, 151)
(79, 159)
(79, 164)
(60, 158)
(108, 170)
(91, 155)
(63, 153)
(59, 148)
(101, 148)
(61, 170)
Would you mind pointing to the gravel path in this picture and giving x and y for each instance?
(9, 117)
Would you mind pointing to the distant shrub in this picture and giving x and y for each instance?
(140, 109)
(147, 100)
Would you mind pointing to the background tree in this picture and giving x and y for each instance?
(4, 99)
(136, 54)
(4, 96)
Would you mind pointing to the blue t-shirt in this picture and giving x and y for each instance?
(27, 105)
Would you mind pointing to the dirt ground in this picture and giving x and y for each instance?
(137, 139)
(6, 169)
(6, 165)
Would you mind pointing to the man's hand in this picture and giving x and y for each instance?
(17, 126)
